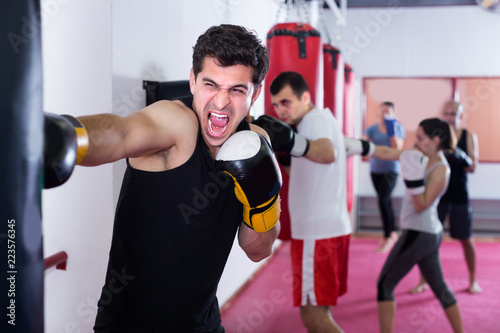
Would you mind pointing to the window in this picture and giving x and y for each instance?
(419, 98)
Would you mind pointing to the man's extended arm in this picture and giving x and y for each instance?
(145, 132)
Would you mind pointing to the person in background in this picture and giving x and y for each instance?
(455, 203)
(387, 132)
(426, 175)
(309, 141)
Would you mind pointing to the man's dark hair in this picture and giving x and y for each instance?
(293, 79)
(433, 127)
(232, 45)
(389, 104)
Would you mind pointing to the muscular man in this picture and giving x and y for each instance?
(455, 202)
(186, 191)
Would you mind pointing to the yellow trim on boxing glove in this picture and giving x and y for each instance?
(82, 138)
(260, 218)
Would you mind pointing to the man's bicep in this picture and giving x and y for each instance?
(473, 146)
(157, 127)
(106, 132)
(472, 151)
(326, 145)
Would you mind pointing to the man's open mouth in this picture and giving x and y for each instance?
(217, 124)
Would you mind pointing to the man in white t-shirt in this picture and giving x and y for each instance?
(310, 142)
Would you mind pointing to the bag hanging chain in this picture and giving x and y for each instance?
(301, 7)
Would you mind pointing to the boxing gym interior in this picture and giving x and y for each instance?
(84, 57)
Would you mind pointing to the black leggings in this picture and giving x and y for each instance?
(414, 247)
(384, 185)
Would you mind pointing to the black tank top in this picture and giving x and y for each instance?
(457, 188)
(173, 232)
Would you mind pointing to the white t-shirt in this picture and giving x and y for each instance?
(317, 196)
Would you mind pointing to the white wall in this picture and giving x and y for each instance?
(77, 217)
(97, 52)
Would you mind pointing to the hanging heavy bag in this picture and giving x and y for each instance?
(292, 47)
(348, 126)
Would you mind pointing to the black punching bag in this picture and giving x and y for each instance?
(21, 135)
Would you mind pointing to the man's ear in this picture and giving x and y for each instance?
(306, 97)
(192, 81)
(256, 94)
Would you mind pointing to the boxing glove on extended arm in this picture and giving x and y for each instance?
(358, 147)
(413, 165)
(283, 138)
(247, 157)
(65, 144)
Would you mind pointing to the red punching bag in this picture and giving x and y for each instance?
(349, 100)
(292, 47)
(333, 79)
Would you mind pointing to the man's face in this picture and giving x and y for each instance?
(450, 115)
(288, 106)
(386, 110)
(222, 98)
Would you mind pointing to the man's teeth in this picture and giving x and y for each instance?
(218, 116)
(219, 120)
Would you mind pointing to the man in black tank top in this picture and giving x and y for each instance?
(455, 202)
(177, 215)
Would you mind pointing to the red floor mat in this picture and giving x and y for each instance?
(265, 306)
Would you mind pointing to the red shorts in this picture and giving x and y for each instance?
(319, 270)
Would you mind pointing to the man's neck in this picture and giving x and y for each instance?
(308, 108)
